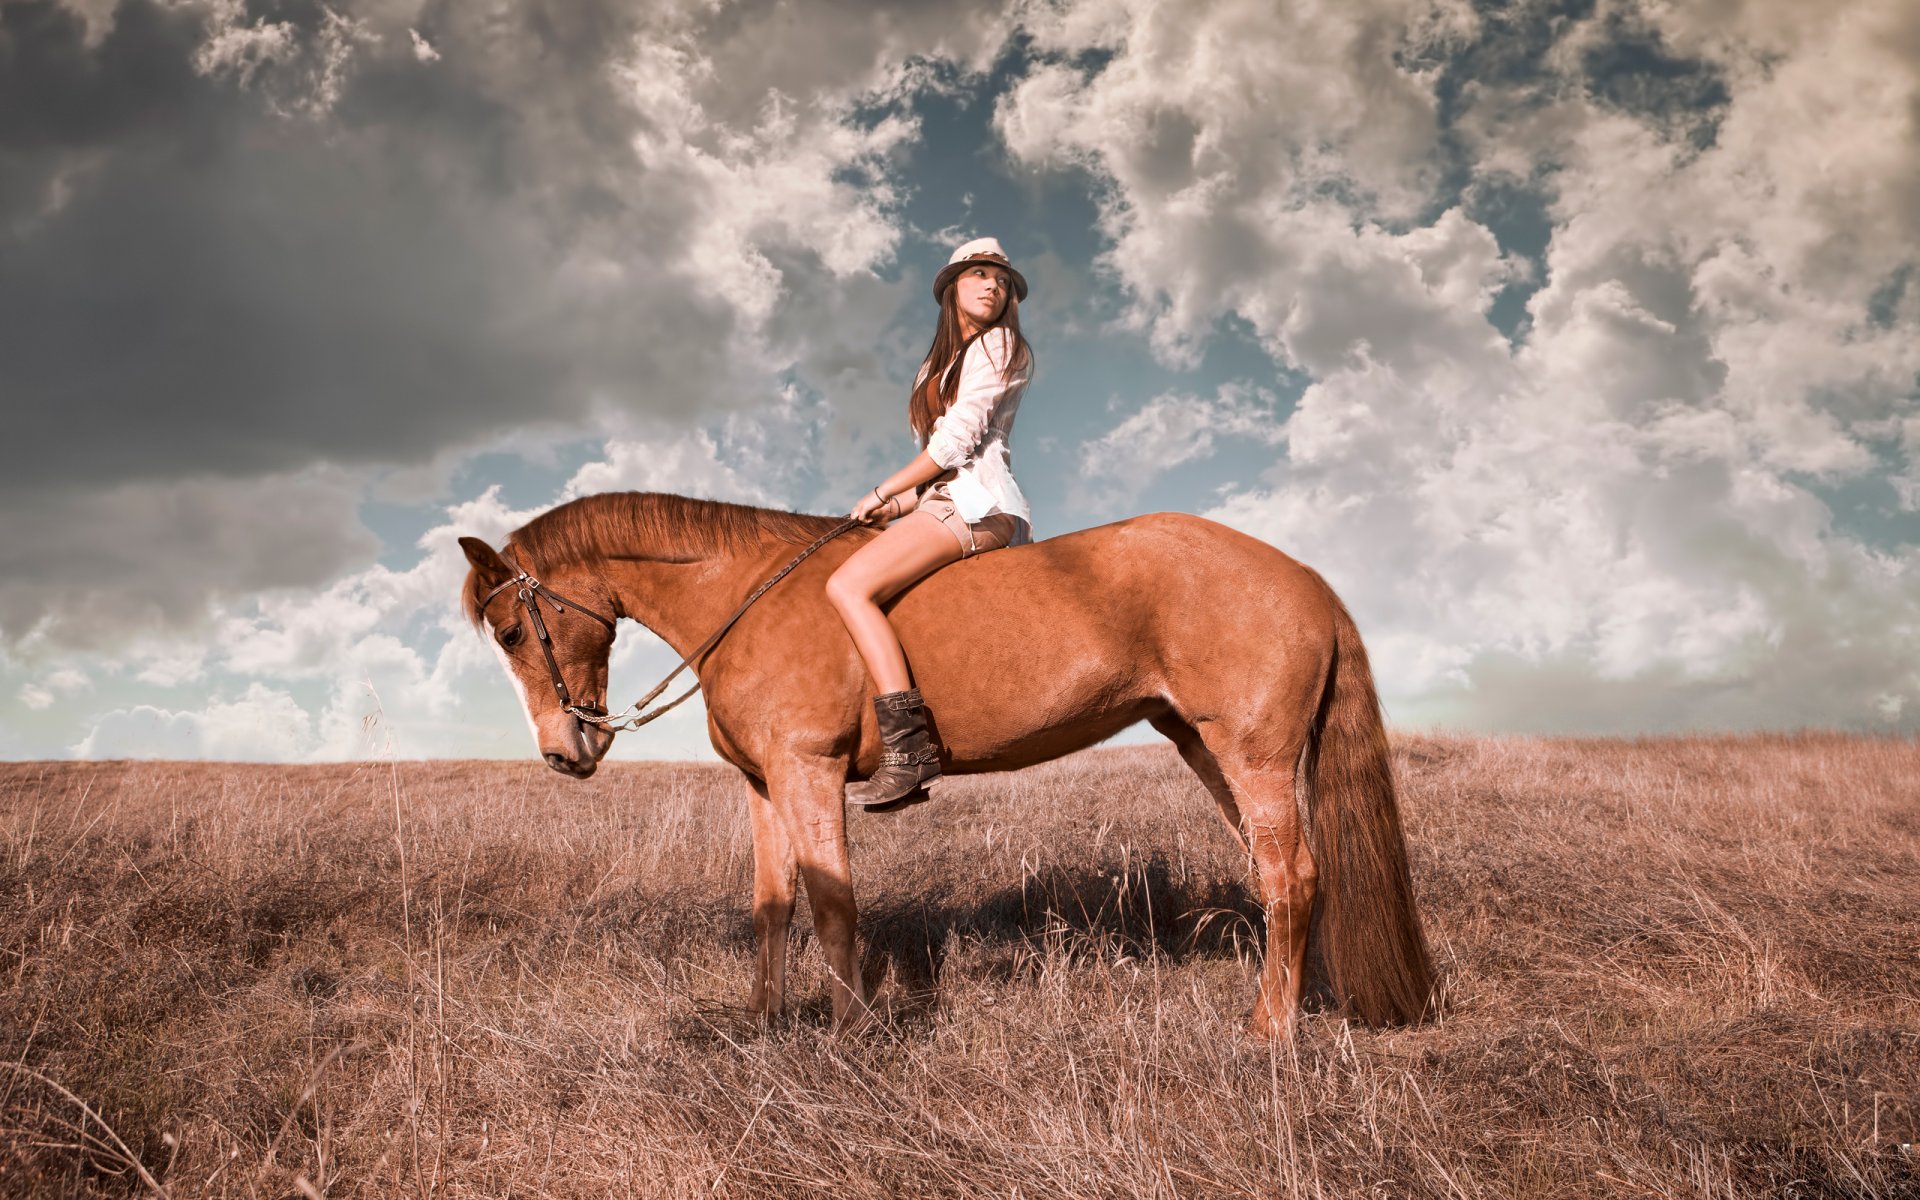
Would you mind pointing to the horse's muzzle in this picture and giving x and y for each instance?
(579, 768)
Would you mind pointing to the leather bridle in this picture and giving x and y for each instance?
(530, 592)
(633, 716)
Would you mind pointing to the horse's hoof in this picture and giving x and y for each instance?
(1266, 1027)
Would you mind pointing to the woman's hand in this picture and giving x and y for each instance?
(871, 510)
(900, 488)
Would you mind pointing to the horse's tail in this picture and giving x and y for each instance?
(1365, 923)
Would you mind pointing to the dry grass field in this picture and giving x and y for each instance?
(1673, 967)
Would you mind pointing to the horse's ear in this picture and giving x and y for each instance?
(493, 569)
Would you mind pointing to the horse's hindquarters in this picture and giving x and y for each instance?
(1030, 653)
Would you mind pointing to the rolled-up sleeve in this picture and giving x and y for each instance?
(983, 384)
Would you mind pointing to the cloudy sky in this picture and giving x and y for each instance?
(1575, 343)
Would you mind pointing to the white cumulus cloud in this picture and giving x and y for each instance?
(263, 724)
(1172, 429)
(1614, 520)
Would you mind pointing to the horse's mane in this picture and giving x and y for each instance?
(648, 525)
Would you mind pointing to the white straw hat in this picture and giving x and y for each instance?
(984, 249)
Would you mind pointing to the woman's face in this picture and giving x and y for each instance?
(981, 293)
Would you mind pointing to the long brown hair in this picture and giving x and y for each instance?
(936, 386)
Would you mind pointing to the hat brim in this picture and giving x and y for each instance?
(952, 271)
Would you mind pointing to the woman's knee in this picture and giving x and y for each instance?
(847, 589)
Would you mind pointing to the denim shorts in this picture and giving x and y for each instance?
(990, 532)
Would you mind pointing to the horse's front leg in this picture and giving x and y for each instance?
(774, 879)
(811, 792)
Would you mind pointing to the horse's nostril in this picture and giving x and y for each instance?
(560, 762)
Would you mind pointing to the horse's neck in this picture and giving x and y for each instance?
(684, 599)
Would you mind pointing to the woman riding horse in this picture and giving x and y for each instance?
(1240, 655)
(955, 499)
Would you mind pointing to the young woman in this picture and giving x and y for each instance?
(956, 498)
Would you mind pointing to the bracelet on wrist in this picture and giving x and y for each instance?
(878, 496)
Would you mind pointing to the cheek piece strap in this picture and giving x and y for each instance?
(530, 592)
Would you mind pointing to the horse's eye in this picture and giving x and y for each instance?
(510, 637)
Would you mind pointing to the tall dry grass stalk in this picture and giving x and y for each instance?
(1674, 967)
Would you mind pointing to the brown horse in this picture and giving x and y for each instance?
(1241, 656)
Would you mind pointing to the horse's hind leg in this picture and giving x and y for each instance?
(1287, 879)
(1262, 786)
(774, 880)
(1187, 740)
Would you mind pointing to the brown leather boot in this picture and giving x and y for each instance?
(908, 761)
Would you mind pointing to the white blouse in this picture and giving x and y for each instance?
(971, 436)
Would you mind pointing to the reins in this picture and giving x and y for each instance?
(530, 590)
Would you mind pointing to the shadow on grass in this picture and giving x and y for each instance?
(1079, 914)
(1075, 915)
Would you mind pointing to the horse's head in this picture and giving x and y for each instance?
(568, 666)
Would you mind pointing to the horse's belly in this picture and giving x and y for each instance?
(1009, 739)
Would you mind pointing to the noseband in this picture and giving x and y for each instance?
(529, 594)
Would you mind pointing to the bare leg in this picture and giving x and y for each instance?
(774, 883)
(905, 552)
(811, 793)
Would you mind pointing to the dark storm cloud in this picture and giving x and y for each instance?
(202, 285)
(281, 258)
(239, 242)
(124, 561)
(237, 246)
